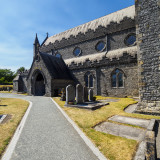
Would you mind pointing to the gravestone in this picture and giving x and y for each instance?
(90, 95)
(85, 94)
(63, 95)
(79, 93)
(70, 94)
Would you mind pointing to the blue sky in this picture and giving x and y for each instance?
(20, 20)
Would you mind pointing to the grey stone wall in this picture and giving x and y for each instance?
(102, 76)
(42, 68)
(116, 40)
(20, 85)
(24, 83)
(15, 86)
(130, 87)
(87, 47)
(79, 77)
(148, 38)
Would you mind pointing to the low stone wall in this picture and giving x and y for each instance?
(6, 88)
(147, 148)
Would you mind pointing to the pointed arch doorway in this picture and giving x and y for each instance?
(38, 84)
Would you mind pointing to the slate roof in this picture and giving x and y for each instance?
(115, 17)
(16, 78)
(56, 66)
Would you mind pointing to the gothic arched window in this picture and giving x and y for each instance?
(117, 78)
(88, 78)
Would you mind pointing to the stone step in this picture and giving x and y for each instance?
(131, 108)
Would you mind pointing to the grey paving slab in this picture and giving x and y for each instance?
(121, 130)
(131, 108)
(129, 120)
(47, 135)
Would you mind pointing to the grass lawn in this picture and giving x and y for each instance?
(113, 147)
(5, 92)
(6, 86)
(16, 109)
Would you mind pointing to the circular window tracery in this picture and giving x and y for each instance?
(58, 55)
(100, 46)
(130, 40)
(77, 51)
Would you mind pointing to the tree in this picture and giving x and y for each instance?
(21, 69)
(6, 76)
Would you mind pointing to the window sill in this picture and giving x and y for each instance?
(117, 87)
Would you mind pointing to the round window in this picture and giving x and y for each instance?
(130, 40)
(77, 51)
(58, 55)
(100, 46)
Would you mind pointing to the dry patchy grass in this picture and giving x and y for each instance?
(16, 108)
(113, 147)
(6, 86)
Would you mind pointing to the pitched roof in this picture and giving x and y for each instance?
(116, 17)
(56, 66)
(16, 78)
(99, 56)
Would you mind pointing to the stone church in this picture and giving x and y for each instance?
(115, 55)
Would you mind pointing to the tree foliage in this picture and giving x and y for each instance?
(6, 76)
(21, 69)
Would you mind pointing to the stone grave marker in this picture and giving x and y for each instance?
(85, 94)
(90, 95)
(63, 95)
(79, 93)
(70, 94)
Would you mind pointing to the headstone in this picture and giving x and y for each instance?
(79, 93)
(90, 95)
(85, 94)
(70, 94)
(63, 95)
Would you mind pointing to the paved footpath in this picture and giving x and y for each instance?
(47, 135)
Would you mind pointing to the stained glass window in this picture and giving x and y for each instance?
(117, 78)
(58, 55)
(130, 40)
(77, 51)
(88, 78)
(100, 46)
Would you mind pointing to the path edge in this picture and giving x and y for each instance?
(9, 151)
(88, 142)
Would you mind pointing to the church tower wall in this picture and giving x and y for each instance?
(148, 42)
